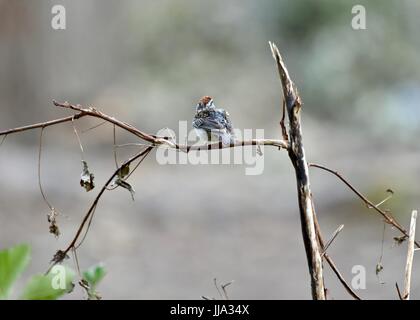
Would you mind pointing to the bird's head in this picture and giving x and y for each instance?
(204, 103)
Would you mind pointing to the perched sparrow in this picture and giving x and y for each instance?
(212, 122)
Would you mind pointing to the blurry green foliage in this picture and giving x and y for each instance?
(93, 276)
(40, 286)
(13, 261)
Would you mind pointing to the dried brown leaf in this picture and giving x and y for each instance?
(86, 178)
(59, 256)
(52, 219)
(400, 240)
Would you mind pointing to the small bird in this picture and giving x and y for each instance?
(210, 121)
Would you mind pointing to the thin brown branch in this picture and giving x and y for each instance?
(297, 157)
(217, 288)
(224, 286)
(387, 217)
(39, 171)
(131, 144)
(330, 241)
(379, 266)
(398, 291)
(78, 139)
(97, 114)
(95, 126)
(281, 144)
(391, 194)
(331, 263)
(2, 140)
(341, 277)
(152, 139)
(76, 262)
(114, 146)
(135, 167)
(42, 124)
(95, 202)
(410, 256)
(76, 246)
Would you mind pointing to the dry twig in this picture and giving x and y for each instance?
(332, 264)
(387, 217)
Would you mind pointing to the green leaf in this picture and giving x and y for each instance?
(91, 278)
(12, 263)
(56, 283)
(94, 274)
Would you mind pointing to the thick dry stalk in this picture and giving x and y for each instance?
(410, 255)
(297, 157)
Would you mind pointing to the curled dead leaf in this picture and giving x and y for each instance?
(124, 171)
(399, 240)
(59, 256)
(52, 219)
(379, 268)
(86, 178)
(119, 182)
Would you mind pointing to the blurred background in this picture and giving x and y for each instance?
(147, 63)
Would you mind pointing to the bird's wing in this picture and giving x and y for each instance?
(208, 124)
(226, 119)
